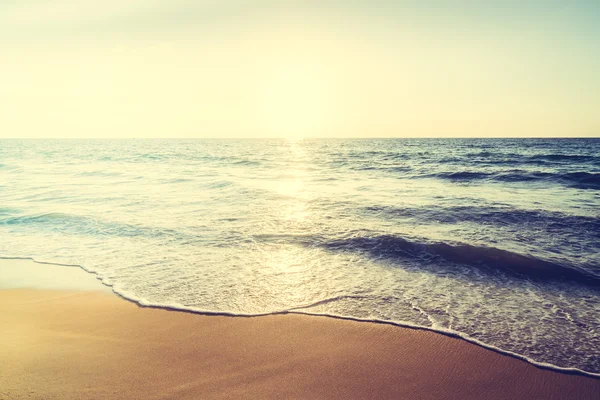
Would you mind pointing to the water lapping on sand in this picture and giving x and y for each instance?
(495, 241)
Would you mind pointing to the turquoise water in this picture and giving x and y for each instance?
(497, 241)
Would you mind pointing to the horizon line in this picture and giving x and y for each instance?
(304, 138)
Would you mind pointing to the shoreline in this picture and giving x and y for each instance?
(108, 288)
(88, 345)
(401, 325)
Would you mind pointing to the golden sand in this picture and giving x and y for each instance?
(94, 345)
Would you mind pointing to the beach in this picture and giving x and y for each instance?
(91, 344)
(300, 200)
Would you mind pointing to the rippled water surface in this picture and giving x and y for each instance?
(497, 240)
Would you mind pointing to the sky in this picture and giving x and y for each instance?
(294, 69)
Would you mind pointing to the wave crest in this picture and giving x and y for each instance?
(487, 259)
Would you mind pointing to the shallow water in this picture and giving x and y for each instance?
(496, 240)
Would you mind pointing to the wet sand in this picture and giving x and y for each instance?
(65, 344)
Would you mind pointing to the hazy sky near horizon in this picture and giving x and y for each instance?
(208, 68)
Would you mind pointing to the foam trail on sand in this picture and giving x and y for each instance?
(299, 310)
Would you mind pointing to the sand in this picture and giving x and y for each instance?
(57, 344)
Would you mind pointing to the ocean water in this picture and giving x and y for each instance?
(496, 240)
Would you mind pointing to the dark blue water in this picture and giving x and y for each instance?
(495, 240)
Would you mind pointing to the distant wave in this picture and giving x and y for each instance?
(478, 166)
(515, 158)
(84, 225)
(565, 157)
(497, 216)
(580, 180)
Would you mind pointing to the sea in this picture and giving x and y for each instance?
(495, 241)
